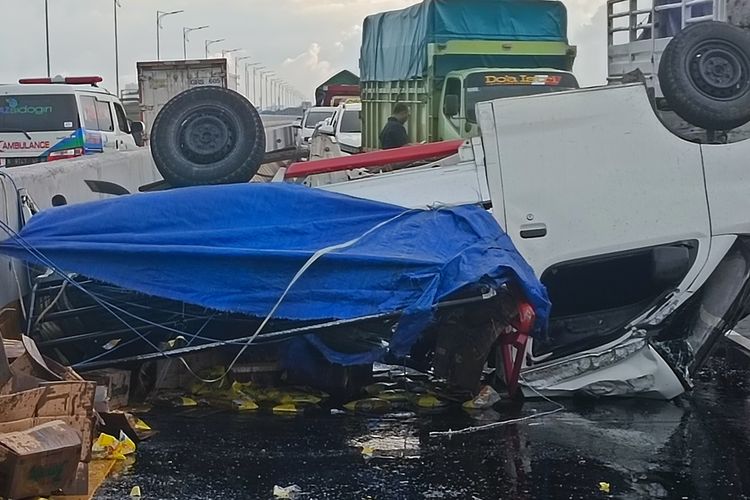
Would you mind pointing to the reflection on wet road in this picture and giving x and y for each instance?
(696, 447)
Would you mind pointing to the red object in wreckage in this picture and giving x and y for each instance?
(516, 341)
(406, 154)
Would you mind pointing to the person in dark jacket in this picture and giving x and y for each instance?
(394, 133)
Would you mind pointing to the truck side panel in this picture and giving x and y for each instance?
(378, 100)
(158, 82)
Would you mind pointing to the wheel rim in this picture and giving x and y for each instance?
(207, 135)
(719, 70)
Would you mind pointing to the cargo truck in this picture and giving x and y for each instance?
(336, 89)
(442, 58)
(160, 81)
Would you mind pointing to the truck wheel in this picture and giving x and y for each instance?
(704, 74)
(208, 135)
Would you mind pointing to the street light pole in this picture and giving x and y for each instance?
(46, 31)
(247, 79)
(269, 100)
(211, 42)
(117, 51)
(263, 74)
(255, 92)
(185, 33)
(159, 15)
(237, 71)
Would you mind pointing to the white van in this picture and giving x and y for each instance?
(46, 119)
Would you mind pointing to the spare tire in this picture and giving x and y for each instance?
(208, 135)
(704, 75)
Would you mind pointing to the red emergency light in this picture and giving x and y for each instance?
(70, 80)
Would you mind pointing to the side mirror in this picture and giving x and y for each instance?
(297, 123)
(137, 127)
(327, 129)
(137, 130)
(452, 105)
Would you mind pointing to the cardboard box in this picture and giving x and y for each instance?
(38, 461)
(83, 425)
(66, 398)
(41, 391)
(113, 388)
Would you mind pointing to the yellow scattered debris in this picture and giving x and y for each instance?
(605, 487)
(140, 425)
(244, 404)
(287, 408)
(369, 405)
(110, 447)
(429, 401)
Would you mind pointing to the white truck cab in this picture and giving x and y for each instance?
(46, 119)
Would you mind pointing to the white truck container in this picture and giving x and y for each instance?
(160, 81)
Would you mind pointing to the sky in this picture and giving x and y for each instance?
(303, 41)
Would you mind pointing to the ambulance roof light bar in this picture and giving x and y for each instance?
(69, 80)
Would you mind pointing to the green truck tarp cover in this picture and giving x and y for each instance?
(394, 43)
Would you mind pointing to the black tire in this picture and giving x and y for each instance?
(208, 135)
(704, 75)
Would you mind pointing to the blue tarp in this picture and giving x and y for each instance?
(394, 44)
(236, 248)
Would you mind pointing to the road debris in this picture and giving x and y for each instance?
(288, 492)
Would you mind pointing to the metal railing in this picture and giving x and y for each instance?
(651, 19)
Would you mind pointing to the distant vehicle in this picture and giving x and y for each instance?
(160, 81)
(337, 89)
(346, 127)
(442, 58)
(47, 119)
(310, 121)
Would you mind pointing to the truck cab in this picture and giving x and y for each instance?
(462, 91)
(47, 119)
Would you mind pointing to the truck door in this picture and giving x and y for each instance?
(125, 140)
(605, 203)
(451, 119)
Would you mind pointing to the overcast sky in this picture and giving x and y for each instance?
(304, 41)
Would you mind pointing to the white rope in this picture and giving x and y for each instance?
(494, 425)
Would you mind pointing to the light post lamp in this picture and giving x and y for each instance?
(185, 34)
(225, 52)
(211, 42)
(159, 16)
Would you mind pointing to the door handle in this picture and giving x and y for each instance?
(529, 231)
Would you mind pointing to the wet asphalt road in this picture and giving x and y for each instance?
(696, 447)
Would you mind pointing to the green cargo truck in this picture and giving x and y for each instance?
(441, 57)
